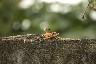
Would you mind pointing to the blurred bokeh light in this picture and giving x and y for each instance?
(34, 16)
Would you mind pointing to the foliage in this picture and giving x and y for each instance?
(68, 24)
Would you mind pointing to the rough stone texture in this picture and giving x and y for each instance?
(33, 49)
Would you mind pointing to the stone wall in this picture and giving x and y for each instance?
(33, 49)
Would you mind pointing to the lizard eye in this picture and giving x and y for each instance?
(54, 33)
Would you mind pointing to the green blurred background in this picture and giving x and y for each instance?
(33, 16)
